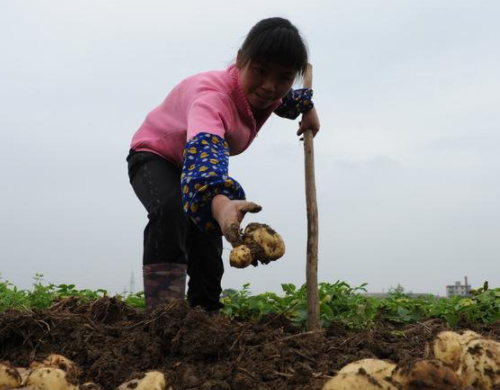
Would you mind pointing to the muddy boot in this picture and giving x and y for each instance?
(163, 281)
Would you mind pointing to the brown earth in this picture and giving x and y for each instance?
(112, 343)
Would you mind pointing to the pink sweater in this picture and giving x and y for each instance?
(211, 102)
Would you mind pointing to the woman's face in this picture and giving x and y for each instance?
(265, 83)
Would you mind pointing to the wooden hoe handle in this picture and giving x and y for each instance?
(312, 223)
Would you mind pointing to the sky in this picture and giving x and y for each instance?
(407, 161)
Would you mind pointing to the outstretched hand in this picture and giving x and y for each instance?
(229, 214)
(310, 120)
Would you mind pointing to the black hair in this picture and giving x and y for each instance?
(275, 40)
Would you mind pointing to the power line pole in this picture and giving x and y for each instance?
(132, 283)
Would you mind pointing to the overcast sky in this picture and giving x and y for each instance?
(407, 160)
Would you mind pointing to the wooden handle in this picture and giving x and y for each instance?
(312, 223)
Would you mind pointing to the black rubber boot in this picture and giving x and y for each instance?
(163, 281)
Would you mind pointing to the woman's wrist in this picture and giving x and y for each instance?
(218, 203)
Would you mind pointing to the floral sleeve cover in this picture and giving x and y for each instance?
(204, 175)
(296, 102)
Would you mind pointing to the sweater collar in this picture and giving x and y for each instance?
(242, 102)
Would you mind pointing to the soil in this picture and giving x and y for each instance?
(113, 343)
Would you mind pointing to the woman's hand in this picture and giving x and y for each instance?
(309, 120)
(229, 214)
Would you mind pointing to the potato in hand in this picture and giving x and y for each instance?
(260, 243)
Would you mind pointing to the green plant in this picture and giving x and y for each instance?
(339, 303)
(11, 297)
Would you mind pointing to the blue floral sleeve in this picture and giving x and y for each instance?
(296, 102)
(204, 175)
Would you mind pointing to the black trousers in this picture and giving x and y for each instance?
(170, 236)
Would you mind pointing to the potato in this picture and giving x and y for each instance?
(58, 361)
(448, 346)
(9, 377)
(49, 378)
(265, 243)
(424, 374)
(240, 257)
(379, 369)
(153, 380)
(357, 381)
(480, 364)
(469, 335)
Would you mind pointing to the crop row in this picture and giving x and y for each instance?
(340, 303)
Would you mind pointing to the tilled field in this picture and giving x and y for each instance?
(112, 343)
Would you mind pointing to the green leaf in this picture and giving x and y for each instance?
(288, 288)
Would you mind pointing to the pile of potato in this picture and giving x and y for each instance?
(460, 360)
(59, 373)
